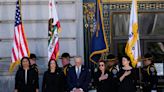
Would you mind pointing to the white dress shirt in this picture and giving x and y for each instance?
(26, 76)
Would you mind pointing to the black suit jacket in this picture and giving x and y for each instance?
(53, 82)
(32, 80)
(81, 82)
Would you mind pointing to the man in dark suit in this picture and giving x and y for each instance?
(149, 74)
(78, 77)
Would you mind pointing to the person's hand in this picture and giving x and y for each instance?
(81, 90)
(126, 73)
(153, 90)
(103, 77)
(78, 90)
(15, 90)
(37, 90)
(73, 89)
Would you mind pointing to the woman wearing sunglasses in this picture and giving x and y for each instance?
(101, 78)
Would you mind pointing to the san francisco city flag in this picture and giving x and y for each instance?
(54, 28)
(20, 45)
(99, 43)
(132, 48)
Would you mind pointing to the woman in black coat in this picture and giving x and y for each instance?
(101, 78)
(26, 79)
(53, 79)
(127, 76)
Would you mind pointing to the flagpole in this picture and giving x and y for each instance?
(140, 77)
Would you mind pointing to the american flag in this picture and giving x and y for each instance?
(20, 46)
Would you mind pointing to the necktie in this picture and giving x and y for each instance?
(78, 72)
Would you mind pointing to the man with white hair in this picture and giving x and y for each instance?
(79, 77)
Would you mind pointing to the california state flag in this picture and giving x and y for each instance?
(54, 27)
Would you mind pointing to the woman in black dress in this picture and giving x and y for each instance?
(53, 79)
(101, 78)
(127, 76)
(26, 79)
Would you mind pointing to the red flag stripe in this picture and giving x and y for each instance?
(24, 51)
(20, 44)
(16, 37)
(13, 53)
(25, 42)
(16, 42)
(56, 50)
(58, 24)
(16, 49)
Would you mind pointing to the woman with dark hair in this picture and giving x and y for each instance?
(26, 79)
(101, 78)
(53, 78)
(126, 76)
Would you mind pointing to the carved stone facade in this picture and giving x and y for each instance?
(115, 9)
